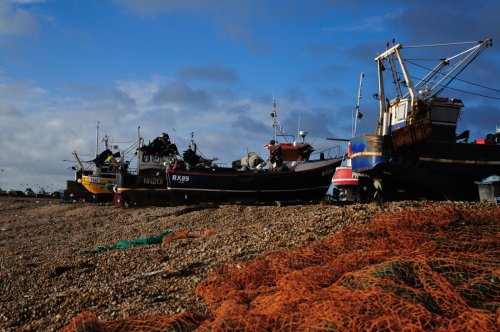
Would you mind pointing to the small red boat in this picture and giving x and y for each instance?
(349, 186)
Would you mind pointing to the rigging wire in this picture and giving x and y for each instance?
(473, 93)
(460, 90)
(445, 44)
(458, 79)
(424, 59)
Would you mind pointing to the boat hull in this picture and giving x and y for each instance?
(349, 186)
(145, 189)
(432, 168)
(344, 177)
(229, 185)
(100, 187)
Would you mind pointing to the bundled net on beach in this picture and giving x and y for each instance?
(184, 321)
(422, 270)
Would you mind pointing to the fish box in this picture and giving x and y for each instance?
(489, 189)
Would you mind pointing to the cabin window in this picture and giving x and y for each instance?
(145, 158)
(400, 111)
(156, 159)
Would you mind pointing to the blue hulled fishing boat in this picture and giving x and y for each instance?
(416, 151)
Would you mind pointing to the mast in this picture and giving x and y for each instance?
(97, 141)
(409, 83)
(139, 139)
(139, 151)
(358, 115)
(274, 114)
(276, 127)
(381, 96)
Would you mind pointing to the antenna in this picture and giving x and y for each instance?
(192, 144)
(298, 129)
(163, 120)
(106, 141)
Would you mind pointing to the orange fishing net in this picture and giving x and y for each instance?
(421, 270)
(88, 322)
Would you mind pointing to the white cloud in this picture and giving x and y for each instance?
(27, 2)
(140, 91)
(213, 7)
(214, 72)
(368, 24)
(39, 130)
(15, 20)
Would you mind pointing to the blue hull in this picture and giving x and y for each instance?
(432, 168)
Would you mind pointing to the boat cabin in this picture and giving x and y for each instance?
(153, 156)
(286, 155)
(443, 114)
(290, 151)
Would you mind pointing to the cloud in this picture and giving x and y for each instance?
(214, 72)
(182, 96)
(156, 7)
(246, 125)
(332, 93)
(15, 21)
(40, 130)
(325, 72)
(295, 94)
(17, 93)
(369, 24)
(27, 2)
(207, 7)
(141, 92)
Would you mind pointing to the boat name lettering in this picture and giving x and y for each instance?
(157, 181)
(180, 178)
(327, 172)
(94, 179)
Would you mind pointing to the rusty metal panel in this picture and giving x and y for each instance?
(412, 133)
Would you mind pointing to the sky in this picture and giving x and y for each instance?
(213, 68)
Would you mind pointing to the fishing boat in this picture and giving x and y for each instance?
(288, 174)
(100, 178)
(416, 151)
(147, 185)
(349, 186)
